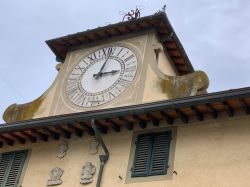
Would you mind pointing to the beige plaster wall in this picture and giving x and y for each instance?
(132, 95)
(151, 83)
(165, 64)
(213, 153)
(155, 71)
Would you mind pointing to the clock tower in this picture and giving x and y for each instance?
(128, 63)
(127, 109)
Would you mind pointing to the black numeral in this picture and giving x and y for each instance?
(128, 58)
(92, 57)
(104, 50)
(73, 79)
(128, 75)
(71, 92)
(129, 63)
(129, 69)
(79, 68)
(84, 62)
(71, 86)
(111, 95)
(124, 54)
(80, 100)
(110, 51)
(76, 74)
(76, 96)
(124, 82)
(120, 51)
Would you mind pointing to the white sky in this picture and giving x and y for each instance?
(214, 33)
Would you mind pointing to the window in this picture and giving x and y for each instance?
(11, 165)
(151, 154)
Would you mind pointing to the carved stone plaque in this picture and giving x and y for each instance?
(63, 147)
(55, 175)
(88, 170)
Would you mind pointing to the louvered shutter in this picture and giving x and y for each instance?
(142, 155)
(5, 163)
(160, 153)
(11, 165)
(151, 154)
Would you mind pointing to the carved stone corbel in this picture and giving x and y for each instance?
(189, 85)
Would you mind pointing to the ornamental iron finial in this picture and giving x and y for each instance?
(132, 14)
(164, 8)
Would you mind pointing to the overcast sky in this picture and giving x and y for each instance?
(214, 33)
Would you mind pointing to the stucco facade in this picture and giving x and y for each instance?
(210, 141)
(156, 79)
(210, 153)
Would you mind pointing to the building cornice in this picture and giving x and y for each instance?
(212, 104)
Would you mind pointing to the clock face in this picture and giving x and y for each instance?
(101, 76)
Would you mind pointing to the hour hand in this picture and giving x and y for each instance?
(105, 73)
(111, 72)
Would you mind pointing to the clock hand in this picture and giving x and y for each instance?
(111, 72)
(96, 101)
(108, 72)
(99, 74)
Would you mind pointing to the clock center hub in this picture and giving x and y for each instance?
(92, 85)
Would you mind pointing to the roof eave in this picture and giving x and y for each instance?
(54, 44)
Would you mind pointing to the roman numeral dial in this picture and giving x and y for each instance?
(101, 76)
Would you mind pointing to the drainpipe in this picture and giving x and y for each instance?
(103, 158)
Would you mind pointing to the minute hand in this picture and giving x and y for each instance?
(99, 74)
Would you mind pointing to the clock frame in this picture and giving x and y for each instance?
(79, 91)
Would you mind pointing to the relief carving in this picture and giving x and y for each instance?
(55, 175)
(88, 170)
(63, 147)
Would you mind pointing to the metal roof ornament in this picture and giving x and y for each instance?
(132, 14)
(164, 8)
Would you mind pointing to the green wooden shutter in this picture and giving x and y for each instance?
(11, 165)
(151, 154)
(142, 156)
(160, 153)
(5, 163)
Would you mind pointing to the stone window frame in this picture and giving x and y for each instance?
(169, 175)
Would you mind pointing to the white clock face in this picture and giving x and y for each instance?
(101, 76)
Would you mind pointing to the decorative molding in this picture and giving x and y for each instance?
(62, 149)
(88, 170)
(55, 175)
